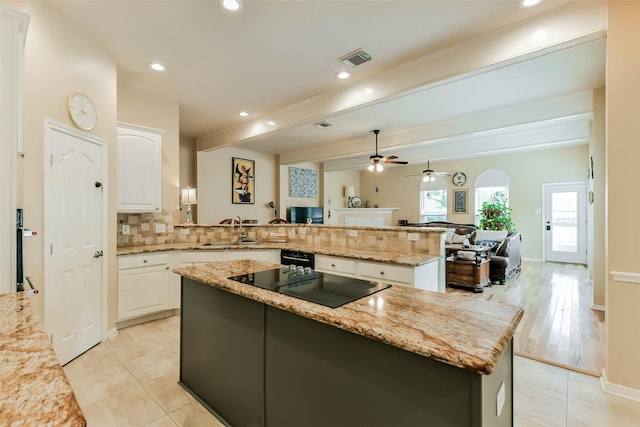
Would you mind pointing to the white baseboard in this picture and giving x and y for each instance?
(598, 307)
(533, 259)
(618, 390)
(112, 333)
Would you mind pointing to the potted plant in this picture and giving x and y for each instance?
(496, 214)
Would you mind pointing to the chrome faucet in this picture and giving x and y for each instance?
(242, 235)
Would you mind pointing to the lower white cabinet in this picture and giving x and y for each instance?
(425, 276)
(143, 284)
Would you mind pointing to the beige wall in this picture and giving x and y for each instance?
(598, 185)
(527, 171)
(188, 172)
(334, 184)
(60, 59)
(623, 151)
(214, 185)
(141, 109)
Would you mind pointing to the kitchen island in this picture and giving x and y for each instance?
(400, 357)
(35, 391)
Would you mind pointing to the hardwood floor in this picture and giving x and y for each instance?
(558, 326)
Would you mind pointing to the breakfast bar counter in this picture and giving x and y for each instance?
(398, 354)
(35, 391)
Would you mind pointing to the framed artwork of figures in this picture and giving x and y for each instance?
(243, 183)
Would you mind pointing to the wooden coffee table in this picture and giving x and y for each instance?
(468, 273)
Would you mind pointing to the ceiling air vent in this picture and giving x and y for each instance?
(323, 124)
(356, 58)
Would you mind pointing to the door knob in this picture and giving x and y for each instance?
(98, 254)
(98, 184)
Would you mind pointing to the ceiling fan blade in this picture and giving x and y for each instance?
(442, 173)
(396, 162)
(391, 157)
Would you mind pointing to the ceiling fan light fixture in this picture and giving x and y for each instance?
(379, 167)
(529, 3)
(370, 167)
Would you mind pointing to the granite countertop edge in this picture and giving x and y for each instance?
(35, 389)
(463, 332)
(413, 260)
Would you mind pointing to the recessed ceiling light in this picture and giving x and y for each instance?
(343, 75)
(157, 66)
(244, 113)
(232, 5)
(271, 123)
(529, 3)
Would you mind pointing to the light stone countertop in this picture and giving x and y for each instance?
(387, 257)
(464, 332)
(35, 391)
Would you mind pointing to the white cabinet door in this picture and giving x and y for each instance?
(139, 168)
(143, 284)
(336, 265)
(398, 274)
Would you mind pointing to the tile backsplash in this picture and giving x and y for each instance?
(143, 231)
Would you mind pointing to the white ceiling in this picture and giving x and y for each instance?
(274, 54)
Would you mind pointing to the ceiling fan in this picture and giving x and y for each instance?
(377, 160)
(429, 175)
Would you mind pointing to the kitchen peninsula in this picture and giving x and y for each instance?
(35, 391)
(399, 357)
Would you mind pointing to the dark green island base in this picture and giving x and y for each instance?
(252, 364)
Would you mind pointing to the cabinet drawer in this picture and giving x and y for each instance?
(335, 264)
(382, 271)
(200, 257)
(142, 260)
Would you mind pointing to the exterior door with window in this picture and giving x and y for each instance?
(565, 222)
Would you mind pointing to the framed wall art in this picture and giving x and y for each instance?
(303, 183)
(243, 183)
(460, 201)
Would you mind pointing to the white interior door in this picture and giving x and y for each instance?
(565, 222)
(73, 236)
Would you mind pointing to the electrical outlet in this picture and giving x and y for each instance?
(125, 229)
(500, 398)
(413, 236)
(161, 228)
(184, 231)
(353, 233)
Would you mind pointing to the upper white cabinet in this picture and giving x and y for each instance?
(139, 168)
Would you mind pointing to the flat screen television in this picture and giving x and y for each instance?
(299, 215)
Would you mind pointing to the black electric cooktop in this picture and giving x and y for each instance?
(320, 288)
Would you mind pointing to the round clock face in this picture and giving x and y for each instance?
(82, 111)
(459, 178)
(356, 202)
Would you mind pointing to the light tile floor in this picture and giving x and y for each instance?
(131, 380)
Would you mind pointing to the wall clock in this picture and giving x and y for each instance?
(356, 202)
(459, 179)
(82, 111)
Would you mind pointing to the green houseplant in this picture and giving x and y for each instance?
(496, 214)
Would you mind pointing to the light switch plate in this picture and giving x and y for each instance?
(160, 228)
(413, 236)
(184, 231)
(353, 233)
(125, 229)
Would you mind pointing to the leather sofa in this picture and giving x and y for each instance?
(506, 260)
